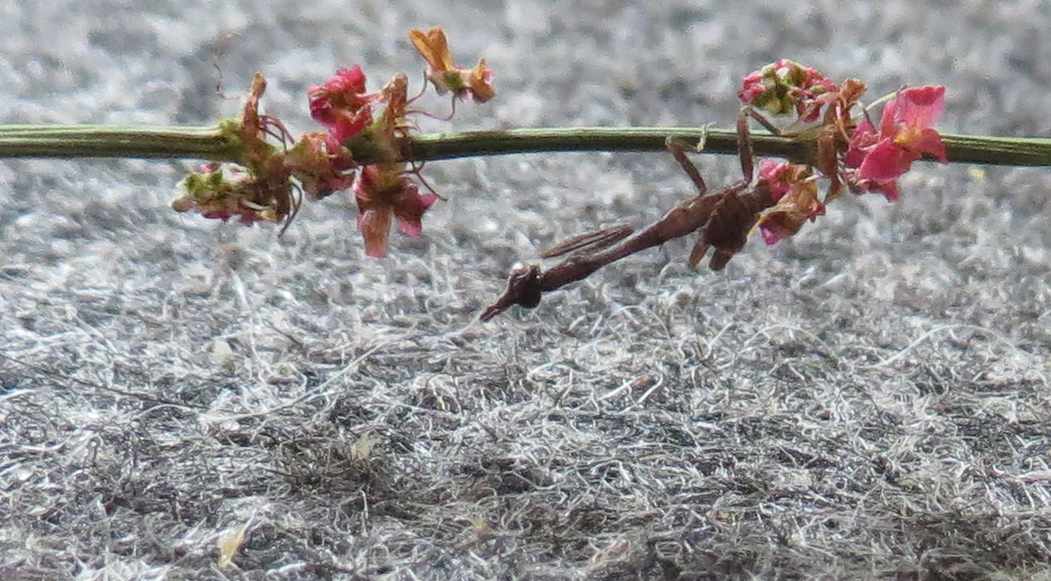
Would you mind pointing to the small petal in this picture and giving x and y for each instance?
(888, 121)
(410, 212)
(885, 162)
(773, 232)
(920, 106)
(346, 125)
(930, 142)
(374, 225)
(774, 173)
(395, 95)
(319, 172)
(861, 142)
(250, 118)
(433, 47)
(889, 189)
(366, 187)
(769, 169)
(791, 212)
(481, 82)
(384, 189)
(347, 81)
(751, 87)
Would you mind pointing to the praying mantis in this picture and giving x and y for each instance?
(722, 218)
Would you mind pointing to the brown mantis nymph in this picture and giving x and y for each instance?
(722, 218)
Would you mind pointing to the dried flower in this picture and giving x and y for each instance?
(443, 73)
(224, 192)
(779, 177)
(795, 189)
(320, 163)
(396, 95)
(259, 189)
(255, 127)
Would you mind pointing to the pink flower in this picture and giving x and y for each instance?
(751, 87)
(862, 141)
(906, 134)
(786, 85)
(320, 164)
(341, 103)
(777, 175)
(888, 188)
(383, 192)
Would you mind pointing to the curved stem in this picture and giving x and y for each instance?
(212, 143)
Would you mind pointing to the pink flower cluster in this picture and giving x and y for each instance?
(263, 185)
(382, 190)
(784, 86)
(906, 134)
(848, 152)
(342, 105)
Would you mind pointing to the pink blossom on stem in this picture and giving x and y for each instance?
(906, 134)
(341, 104)
(383, 192)
(784, 86)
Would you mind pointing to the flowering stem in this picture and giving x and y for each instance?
(212, 143)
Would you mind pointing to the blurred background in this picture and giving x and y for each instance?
(871, 332)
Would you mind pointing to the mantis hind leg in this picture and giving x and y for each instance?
(590, 242)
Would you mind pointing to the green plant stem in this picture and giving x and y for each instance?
(210, 143)
(1013, 151)
(116, 141)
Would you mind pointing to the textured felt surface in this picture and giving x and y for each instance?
(867, 400)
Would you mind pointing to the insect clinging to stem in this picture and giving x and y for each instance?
(722, 218)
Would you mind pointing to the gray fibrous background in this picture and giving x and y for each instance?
(197, 400)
